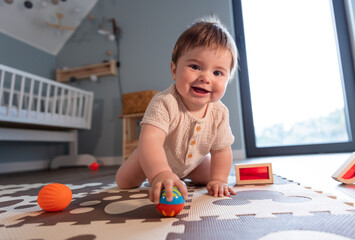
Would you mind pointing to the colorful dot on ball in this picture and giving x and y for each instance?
(54, 197)
(173, 208)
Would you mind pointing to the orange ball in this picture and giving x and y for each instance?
(54, 197)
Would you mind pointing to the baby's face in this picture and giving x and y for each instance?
(201, 76)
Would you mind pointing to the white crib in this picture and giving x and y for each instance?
(33, 108)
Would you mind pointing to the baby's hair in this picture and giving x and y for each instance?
(206, 32)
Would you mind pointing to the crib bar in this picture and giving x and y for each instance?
(22, 87)
(46, 104)
(39, 96)
(85, 107)
(30, 98)
(68, 103)
(62, 92)
(54, 101)
(90, 99)
(81, 112)
(2, 80)
(11, 97)
(74, 105)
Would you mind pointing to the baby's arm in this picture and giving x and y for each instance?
(155, 166)
(221, 163)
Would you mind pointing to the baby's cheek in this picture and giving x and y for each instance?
(219, 93)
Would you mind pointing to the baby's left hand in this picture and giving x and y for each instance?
(219, 189)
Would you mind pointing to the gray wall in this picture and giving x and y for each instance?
(17, 54)
(149, 31)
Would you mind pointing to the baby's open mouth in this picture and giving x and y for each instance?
(200, 90)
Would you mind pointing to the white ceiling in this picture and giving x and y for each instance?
(28, 25)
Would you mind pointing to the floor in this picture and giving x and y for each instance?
(309, 170)
(62, 175)
(100, 210)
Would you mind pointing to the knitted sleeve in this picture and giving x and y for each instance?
(157, 113)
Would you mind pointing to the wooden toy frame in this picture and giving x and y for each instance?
(346, 172)
(267, 177)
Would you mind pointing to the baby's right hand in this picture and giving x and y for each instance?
(166, 180)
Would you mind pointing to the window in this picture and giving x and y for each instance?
(296, 76)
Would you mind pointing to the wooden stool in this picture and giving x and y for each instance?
(130, 133)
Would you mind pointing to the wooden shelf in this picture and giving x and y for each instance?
(130, 133)
(100, 69)
(133, 115)
(132, 144)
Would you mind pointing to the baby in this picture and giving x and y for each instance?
(185, 130)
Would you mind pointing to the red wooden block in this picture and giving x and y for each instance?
(346, 172)
(260, 173)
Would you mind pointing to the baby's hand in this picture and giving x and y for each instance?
(219, 189)
(166, 180)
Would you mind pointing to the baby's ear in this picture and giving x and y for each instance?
(173, 69)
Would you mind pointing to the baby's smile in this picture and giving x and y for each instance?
(200, 90)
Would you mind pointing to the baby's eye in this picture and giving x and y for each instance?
(217, 73)
(194, 67)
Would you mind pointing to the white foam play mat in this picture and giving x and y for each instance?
(100, 210)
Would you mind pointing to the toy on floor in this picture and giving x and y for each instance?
(173, 208)
(54, 197)
(94, 166)
(254, 173)
(346, 172)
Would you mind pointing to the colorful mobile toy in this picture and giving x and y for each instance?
(173, 208)
(54, 197)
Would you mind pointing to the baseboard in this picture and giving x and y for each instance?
(109, 161)
(12, 167)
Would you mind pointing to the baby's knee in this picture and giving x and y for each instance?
(123, 185)
(126, 183)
